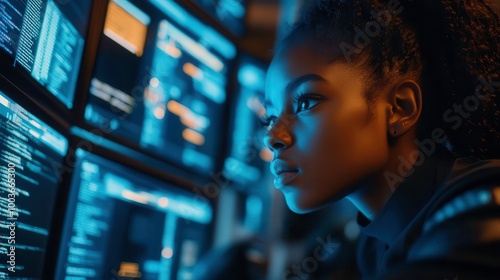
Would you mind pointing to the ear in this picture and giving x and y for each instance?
(405, 107)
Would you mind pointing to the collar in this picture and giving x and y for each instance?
(409, 198)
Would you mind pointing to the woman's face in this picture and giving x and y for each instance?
(326, 141)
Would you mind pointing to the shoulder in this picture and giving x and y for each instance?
(471, 170)
(463, 217)
(471, 185)
(460, 234)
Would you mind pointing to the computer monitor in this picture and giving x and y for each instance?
(230, 13)
(159, 82)
(31, 153)
(124, 224)
(248, 157)
(45, 38)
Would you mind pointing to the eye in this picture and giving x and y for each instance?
(267, 121)
(307, 101)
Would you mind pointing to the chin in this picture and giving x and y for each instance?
(297, 204)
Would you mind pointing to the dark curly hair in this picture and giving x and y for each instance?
(450, 47)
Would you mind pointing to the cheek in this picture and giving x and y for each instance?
(340, 150)
(367, 150)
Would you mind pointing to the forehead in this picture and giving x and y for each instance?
(291, 63)
(296, 61)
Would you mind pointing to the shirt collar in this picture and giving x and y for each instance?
(409, 198)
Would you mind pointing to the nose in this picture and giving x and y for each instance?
(278, 137)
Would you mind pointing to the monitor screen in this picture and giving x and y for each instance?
(248, 156)
(230, 13)
(30, 155)
(123, 224)
(46, 38)
(160, 81)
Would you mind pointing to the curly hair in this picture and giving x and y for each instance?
(450, 47)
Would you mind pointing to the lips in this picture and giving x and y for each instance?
(284, 173)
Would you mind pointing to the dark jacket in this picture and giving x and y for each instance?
(442, 222)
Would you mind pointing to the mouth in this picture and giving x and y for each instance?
(284, 173)
(283, 178)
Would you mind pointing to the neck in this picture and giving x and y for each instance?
(372, 197)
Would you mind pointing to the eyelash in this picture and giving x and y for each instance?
(308, 96)
(267, 121)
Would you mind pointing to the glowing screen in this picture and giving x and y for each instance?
(125, 224)
(231, 13)
(47, 39)
(30, 154)
(164, 89)
(248, 155)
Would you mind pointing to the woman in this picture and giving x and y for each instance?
(394, 105)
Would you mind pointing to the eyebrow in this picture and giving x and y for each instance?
(295, 83)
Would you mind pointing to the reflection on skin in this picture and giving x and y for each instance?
(325, 133)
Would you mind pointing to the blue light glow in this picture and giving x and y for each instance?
(462, 203)
(152, 266)
(484, 197)
(131, 9)
(32, 158)
(108, 198)
(252, 77)
(207, 34)
(254, 208)
(33, 125)
(192, 157)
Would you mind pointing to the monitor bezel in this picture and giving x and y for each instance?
(37, 108)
